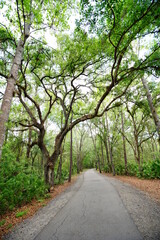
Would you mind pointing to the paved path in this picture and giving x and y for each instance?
(95, 212)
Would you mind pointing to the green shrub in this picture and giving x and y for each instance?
(65, 174)
(150, 169)
(156, 168)
(119, 168)
(106, 169)
(18, 184)
(132, 168)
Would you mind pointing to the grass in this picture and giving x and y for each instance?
(2, 222)
(20, 214)
(9, 226)
(40, 200)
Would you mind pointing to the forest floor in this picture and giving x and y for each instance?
(149, 186)
(9, 220)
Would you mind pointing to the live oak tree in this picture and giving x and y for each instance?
(58, 89)
(104, 53)
(88, 73)
(24, 18)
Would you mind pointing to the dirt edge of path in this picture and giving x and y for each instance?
(10, 220)
(149, 186)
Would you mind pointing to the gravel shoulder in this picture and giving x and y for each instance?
(149, 186)
(144, 211)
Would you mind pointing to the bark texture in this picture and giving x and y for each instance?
(124, 143)
(110, 147)
(8, 95)
(152, 108)
(11, 81)
(71, 156)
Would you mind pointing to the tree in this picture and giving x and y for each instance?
(71, 154)
(80, 132)
(96, 150)
(27, 15)
(13, 75)
(124, 141)
(80, 62)
(139, 115)
(152, 108)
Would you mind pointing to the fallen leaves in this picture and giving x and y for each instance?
(150, 186)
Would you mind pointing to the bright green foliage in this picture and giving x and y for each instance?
(2, 222)
(150, 169)
(88, 161)
(18, 183)
(21, 214)
(132, 168)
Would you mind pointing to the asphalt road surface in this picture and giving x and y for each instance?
(95, 212)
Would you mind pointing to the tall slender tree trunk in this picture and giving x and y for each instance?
(152, 108)
(11, 81)
(111, 158)
(98, 157)
(110, 148)
(78, 163)
(137, 150)
(99, 164)
(8, 95)
(59, 171)
(107, 154)
(142, 155)
(138, 158)
(102, 153)
(71, 155)
(29, 143)
(79, 155)
(124, 143)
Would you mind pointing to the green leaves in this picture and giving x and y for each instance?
(18, 184)
(21, 214)
(150, 169)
